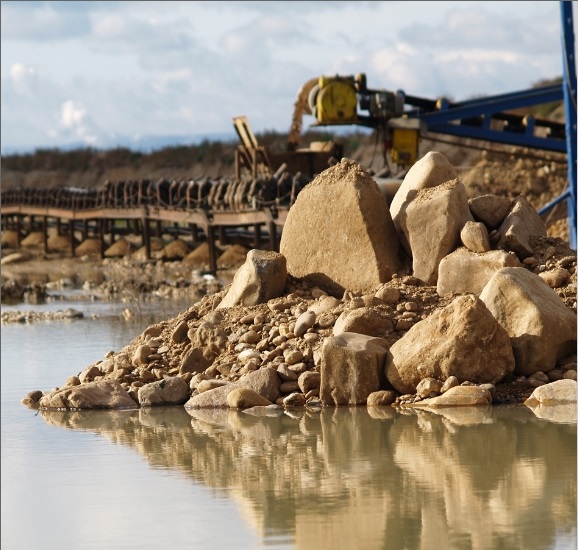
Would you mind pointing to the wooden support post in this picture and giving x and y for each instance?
(136, 227)
(194, 232)
(212, 250)
(257, 230)
(84, 230)
(101, 224)
(273, 236)
(45, 233)
(159, 229)
(18, 229)
(58, 227)
(71, 235)
(146, 240)
(222, 234)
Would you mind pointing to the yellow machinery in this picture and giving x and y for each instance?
(338, 100)
(404, 140)
(334, 100)
(254, 160)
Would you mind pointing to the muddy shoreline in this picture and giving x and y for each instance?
(31, 276)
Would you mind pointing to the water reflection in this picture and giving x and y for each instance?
(355, 478)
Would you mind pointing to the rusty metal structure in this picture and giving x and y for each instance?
(205, 207)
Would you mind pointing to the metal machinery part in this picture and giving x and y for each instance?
(403, 118)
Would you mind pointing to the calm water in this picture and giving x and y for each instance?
(499, 478)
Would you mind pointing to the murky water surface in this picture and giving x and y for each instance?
(481, 478)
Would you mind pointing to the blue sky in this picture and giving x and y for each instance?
(107, 73)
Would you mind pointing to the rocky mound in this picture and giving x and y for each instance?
(445, 301)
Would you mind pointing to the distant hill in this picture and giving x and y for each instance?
(87, 167)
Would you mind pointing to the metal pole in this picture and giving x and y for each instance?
(569, 74)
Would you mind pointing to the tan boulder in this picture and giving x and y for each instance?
(381, 398)
(364, 320)
(209, 336)
(210, 384)
(261, 278)
(541, 328)
(309, 380)
(35, 238)
(462, 339)
(490, 209)
(8, 239)
(434, 220)
(561, 391)
(121, 247)
(324, 304)
(245, 398)
(102, 394)
(431, 170)
(176, 250)
(171, 390)
(521, 223)
(304, 322)
(464, 271)
(198, 257)
(475, 237)
(88, 246)
(555, 278)
(195, 360)
(234, 255)
(60, 242)
(458, 396)
(339, 234)
(264, 381)
(351, 368)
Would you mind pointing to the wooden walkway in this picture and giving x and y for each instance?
(25, 218)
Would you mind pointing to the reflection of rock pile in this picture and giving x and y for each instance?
(434, 292)
(356, 478)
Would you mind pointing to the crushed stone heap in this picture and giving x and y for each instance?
(452, 301)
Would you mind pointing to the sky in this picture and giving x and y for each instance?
(104, 74)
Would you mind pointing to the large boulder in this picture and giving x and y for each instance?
(466, 271)
(364, 320)
(261, 278)
(434, 220)
(351, 368)
(431, 170)
(458, 396)
(172, 390)
(475, 237)
(102, 394)
(561, 391)
(521, 223)
(463, 340)
(339, 234)
(542, 329)
(264, 381)
(490, 209)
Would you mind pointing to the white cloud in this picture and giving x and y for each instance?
(189, 67)
(71, 115)
(74, 123)
(41, 22)
(23, 78)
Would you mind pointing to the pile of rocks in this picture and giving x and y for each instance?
(435, 300)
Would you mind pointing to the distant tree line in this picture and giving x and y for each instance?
(175, 157)
(181, 157)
